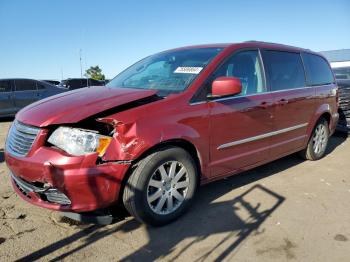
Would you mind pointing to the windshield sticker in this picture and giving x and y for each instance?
(188, 70)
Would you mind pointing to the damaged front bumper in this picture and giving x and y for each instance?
(51, 179)
(46, 193)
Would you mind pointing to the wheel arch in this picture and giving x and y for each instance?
(325, 115)
(323, 111)
(180, 142)
(306, 152)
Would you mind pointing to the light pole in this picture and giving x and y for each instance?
(81, 67)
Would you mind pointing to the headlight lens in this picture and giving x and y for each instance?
(79, 142)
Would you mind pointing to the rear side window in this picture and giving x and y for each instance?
(85, 83)
(317, 69)
(25, 85)
(76, 83)
(94, 82)
(284, 70)
(5, 86)
(41, 86)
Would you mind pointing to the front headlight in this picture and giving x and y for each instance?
(79, 142)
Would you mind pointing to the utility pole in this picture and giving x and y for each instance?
(81, 67)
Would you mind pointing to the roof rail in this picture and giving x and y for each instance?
(271, 43)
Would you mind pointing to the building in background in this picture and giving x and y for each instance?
(340, 62)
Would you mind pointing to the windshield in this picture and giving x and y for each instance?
(167, 72)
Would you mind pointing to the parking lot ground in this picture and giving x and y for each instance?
(287, 210)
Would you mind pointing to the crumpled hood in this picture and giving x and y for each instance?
(74, 106)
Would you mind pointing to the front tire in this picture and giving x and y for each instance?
(161, 187)
(317, 145)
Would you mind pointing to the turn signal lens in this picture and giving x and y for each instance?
(103, 143)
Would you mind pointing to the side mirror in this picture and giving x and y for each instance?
(226, 86)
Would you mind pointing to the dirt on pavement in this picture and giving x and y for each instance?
(289, 209)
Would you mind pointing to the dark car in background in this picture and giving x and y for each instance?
(52, 82)
(75, 83)
(18, 93)
(344, 105)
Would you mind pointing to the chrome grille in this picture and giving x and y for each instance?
(20, 139)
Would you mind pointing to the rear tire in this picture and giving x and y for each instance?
(161, 186)
(317, 145)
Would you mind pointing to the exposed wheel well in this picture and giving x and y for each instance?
(326, 116)
(189, 147)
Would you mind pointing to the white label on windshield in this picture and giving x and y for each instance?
(188, 70)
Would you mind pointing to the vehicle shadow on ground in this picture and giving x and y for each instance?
(336, 140)
(2, 156)
(235, 219)
(207, 216)
(204, 220)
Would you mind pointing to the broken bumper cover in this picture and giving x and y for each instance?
(50, 194)
(50, 179)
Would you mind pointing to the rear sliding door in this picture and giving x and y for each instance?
(294, 102)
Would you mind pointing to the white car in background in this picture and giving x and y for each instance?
(341, 70)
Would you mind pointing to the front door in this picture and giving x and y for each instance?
(7, 106)
(240, 125)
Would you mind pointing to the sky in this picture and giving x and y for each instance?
(42, 39)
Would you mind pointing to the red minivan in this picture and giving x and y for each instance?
(168, 123)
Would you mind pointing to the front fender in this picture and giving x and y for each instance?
(132, 140)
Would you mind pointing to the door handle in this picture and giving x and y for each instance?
(282, 102)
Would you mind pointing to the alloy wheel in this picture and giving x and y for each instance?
(319, 139)
(167, 187)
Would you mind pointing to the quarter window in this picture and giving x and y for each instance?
(25, 85)
(317, 69)
(284, 70)
(5, 86)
